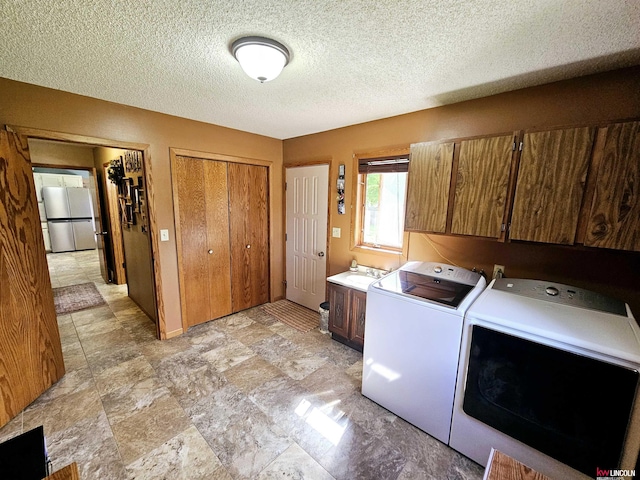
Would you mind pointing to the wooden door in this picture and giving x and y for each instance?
(99, 216)
(358, 310)
(31, 355)
(306, 244)
(482, 183)
(114, 235)
(550, 186)
(201, 204)
(249, 235)
(428, 187)
(338, 309)
(614, 219)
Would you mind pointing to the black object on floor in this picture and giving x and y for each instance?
(23, 457)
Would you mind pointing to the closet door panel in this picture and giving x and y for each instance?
(191, 203)
(248, 235)
(219, 262)
(259, 235)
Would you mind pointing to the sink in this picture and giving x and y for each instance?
(359, 281)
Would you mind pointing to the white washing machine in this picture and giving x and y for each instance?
(549, 375)
(412, 339)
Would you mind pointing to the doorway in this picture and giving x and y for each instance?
(77, 154)
(307, 197)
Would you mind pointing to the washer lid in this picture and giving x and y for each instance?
(437, 283)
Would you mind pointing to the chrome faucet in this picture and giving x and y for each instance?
(373, 273)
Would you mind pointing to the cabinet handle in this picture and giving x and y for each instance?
(248, 246)
(210, 252)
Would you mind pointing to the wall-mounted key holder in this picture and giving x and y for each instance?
(340, 186)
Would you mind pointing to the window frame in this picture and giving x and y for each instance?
(358, 205)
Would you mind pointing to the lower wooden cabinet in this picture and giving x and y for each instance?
(347, 308)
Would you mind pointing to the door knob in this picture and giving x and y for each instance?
(248, 246)
(210, 252)
(321, 254)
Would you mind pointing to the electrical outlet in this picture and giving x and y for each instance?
(336, 232)
(164, 235)
(498, 269)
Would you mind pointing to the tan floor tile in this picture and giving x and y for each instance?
(187, 456)
(228, 355)
(62, 412)
(126, 373)
(251, 334)
(294, 462)
(251, 373)
(149, 428)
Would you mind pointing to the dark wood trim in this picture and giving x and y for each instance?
(518, 137)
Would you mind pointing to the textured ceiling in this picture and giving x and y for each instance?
(352, 61)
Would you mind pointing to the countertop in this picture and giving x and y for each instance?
(359, 280)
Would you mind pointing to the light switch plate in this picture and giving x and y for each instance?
(164, 235)
(336, 232)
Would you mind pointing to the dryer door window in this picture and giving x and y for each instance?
(570, 407)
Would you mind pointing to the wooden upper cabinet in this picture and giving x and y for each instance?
(482, 184)
(428, 187)
(551, 184)
(614, 219)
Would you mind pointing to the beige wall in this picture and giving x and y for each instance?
(36, 107)
(586, 100)
(63, 154)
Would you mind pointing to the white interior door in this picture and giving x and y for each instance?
(307, 210)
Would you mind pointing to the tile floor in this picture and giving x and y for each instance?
(244, 396)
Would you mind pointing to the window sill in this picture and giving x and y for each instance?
(383, 251)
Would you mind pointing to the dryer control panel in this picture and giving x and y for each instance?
(561, 294)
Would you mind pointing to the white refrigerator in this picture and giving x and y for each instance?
(70, 218)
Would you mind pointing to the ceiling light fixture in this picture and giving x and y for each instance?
(261, 58)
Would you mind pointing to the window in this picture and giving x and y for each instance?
(382, 183)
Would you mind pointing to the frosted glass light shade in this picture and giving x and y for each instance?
(261, 58)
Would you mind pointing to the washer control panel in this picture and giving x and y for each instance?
(561, 294)
(444, 271)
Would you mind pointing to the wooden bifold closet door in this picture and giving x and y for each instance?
(249, 234)
(222, 238)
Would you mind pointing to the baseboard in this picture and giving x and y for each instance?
(174, 333)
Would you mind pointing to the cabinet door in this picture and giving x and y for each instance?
(200, 196)
(249, 235)
(551, 184)
(338, 309)
(482, 183)
(428, 187)
(357, 316)
(614, 220)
